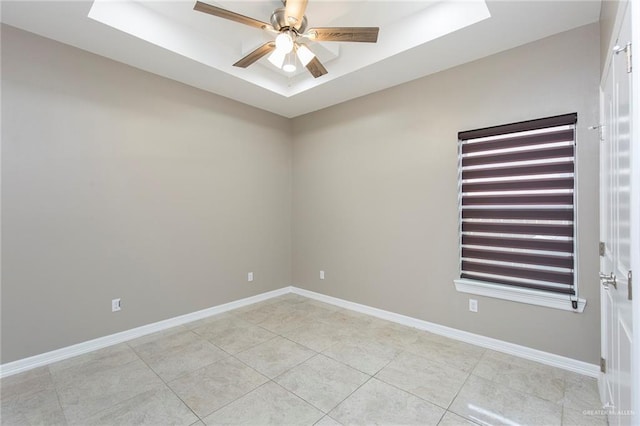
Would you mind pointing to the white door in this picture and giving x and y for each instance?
(615, 233)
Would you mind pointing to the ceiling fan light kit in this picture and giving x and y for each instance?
(290, 65)
(291, 23)
(304, 54)
(277, 58)
(284, 42)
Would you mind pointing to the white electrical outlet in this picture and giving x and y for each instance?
(115, 305)
(322, 275)
(250, 276)
(473, 305)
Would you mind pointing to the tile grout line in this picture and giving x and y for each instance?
(316, 353)
(167, 384)
(326, 413)
(465, 382)
(229, 355)
(273, 380)
(302, 399)
(106, 408)
(456, 396)
(564, 397)
(410, 393)
(258, 344)
(55, 389)
(444, 413)
(347, 397)
(241, 396)
(249, 391)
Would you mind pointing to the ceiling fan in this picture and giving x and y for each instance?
(290, 23)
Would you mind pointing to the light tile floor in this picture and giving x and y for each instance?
(292, 360)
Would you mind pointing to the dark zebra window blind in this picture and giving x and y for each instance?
(516, 202)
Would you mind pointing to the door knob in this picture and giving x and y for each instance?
(608, 279)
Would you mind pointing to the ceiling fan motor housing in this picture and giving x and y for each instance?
(280, 22)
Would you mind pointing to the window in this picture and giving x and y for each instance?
(517, 221)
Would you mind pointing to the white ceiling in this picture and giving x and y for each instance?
(417, 38)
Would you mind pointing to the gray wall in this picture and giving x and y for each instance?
(375, 201)
(119, 183)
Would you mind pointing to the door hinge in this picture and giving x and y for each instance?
(603, 248)
(627, 50)
(603, 365)
(629, 291)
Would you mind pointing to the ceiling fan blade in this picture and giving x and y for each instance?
(268, 47)
(294, 12)
(232, 16)
(355, 34)
(316, 68)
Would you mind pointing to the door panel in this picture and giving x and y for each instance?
(615, 231)
(624, 393)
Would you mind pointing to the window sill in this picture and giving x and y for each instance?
(522, 295)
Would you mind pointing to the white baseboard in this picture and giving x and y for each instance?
(46, 358)
(565, 363)
(542, 357)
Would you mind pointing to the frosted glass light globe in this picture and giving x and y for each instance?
(284, 42)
